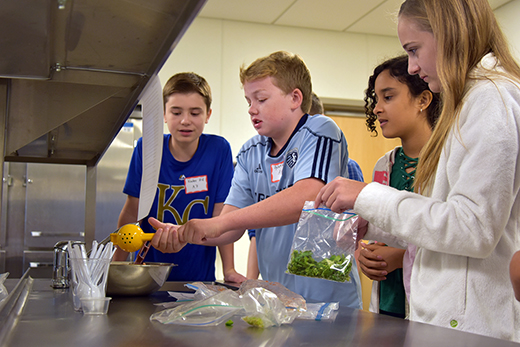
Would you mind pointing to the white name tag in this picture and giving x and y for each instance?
(276, 172)
(196, 184)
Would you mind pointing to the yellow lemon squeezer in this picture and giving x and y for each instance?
(130, 237)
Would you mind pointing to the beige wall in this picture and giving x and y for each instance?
(340, 64)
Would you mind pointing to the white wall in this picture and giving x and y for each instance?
(340, 64)
(507, 16)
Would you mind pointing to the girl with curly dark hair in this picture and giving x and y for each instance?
(405, 108)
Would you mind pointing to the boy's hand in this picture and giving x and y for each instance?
(197, 231)
(233, 276)
(166, 238)
(340, 194)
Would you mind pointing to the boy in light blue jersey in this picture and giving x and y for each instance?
(286, 164)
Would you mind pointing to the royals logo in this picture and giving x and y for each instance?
(292, 158)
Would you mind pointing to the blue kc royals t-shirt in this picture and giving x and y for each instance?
(186, 190)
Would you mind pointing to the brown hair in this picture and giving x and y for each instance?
(316, 105)
(465, 31)
(185, 83)
(288, 71)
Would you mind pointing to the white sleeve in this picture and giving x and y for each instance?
(476, 182)
(376, 234)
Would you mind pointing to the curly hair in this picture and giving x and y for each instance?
(398, 68)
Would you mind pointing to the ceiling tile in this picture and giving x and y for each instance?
(357, 16)
(264, 11)
(497, 3)
(381, 21)
(329, 15)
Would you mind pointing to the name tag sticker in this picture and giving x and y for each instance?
(196, 184)
(276, 172)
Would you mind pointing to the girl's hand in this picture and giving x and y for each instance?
(340, 194)
(377, 260)
(371, 264)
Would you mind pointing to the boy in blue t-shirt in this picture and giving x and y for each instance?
(194, 180)
(293, 156)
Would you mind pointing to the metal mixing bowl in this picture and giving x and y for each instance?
(128, 279)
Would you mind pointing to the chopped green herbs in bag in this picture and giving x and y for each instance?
(324, 244)
(254, 321)
(335, 268)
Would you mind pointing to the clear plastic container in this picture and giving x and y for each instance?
(95, 305)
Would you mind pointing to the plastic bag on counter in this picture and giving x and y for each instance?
(324, 244)
(210, 311)
(3, 289)
(260, 303)
(203, 291)
(264, 309)
(320, 311)
(289, 298)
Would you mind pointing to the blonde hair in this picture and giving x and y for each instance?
(465, 31)
(288, 71)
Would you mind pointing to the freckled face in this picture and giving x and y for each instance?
(268, 107)
(421, 47)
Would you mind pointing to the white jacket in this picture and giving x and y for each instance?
(467, 231)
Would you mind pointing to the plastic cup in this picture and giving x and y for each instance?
(89, 279)
(95, 306)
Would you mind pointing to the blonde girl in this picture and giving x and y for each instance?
(465, 219)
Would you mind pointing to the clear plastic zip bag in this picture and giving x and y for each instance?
(260, 303)
(324, 244)
(210, 311)
(264, 308)
(320, 311)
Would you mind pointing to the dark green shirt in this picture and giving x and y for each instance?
(391, 291)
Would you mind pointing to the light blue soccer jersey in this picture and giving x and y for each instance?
(317, 148)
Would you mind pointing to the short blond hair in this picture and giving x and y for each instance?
(288, 71)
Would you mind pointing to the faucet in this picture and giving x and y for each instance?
(61, 266)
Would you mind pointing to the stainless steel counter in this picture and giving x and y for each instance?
(48, 319)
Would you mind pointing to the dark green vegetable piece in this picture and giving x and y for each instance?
(335, 268)
(229, 323)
